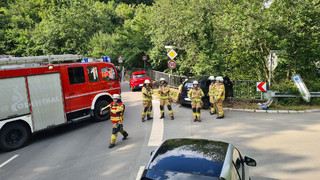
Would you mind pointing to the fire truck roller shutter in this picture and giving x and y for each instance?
(46, 100)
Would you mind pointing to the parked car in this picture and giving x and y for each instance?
(137, 80)
(204, 85)
(198, 159)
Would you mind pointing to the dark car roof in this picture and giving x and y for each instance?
(193, 156)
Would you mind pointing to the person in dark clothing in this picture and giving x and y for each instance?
(229, 86)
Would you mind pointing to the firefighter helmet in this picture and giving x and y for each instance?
(195, 83)
(219, 78)
(162, 79)
(147, 81)
(116, 96)
(211, 78)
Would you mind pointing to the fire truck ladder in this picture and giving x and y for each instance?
(39, 59)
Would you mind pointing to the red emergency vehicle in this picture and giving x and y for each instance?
(36, 97)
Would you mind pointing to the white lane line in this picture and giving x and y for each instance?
(3, 164)
(140, 172)
(157, 126)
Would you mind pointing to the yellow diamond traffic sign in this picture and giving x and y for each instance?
(172, 54)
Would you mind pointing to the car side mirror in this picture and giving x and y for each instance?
(249, 161)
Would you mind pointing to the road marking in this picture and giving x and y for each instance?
(140, 172)
(3, 164)
(157, 126)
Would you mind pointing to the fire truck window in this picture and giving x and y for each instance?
(93, 73)
(76, 75)
(108, 74)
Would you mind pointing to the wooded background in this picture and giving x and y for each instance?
(229, 37)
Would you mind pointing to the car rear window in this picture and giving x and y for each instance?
(139, 76)
(188, 84)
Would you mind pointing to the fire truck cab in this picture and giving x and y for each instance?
(37, 97)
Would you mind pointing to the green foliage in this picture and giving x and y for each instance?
(210, 36)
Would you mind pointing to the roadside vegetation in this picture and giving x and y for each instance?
(227, 37)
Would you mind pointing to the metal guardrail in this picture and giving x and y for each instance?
(284, 95)
(245, 89)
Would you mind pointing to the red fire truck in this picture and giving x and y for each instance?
(35, 97)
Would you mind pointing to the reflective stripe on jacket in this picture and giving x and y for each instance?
(116, 112)
(147, 93)
(195, 94)
(220, 92)
(212, 89)
(165, 89)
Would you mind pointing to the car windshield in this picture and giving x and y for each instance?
(139, 76)
(192, 156)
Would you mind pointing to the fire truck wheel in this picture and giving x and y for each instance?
(99, 105)
(14, 136)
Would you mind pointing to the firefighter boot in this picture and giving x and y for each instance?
(149, 117)
(162, 116)
(112, 143)
(125, 135)
(220, 117)
(172, 118)
(143, 120)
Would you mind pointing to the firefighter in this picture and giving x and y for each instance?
(219, 96)
(116, 109)
(195, 94)
(147, 100)
(164, 91)
(212, 89)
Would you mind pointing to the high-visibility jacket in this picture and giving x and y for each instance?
(212, 89)
(195, 94)
(147, 93)
(219, 92)
(116, 112)
(165, 89)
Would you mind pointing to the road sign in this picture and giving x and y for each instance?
(274, 61)
(302, 87)
(172, 54)
(262, 86)
(120, 59)
(172, 64)
(144, 58)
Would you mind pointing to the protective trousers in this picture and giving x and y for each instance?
(196, 108)
(213, 105)
(117, 128)
(220, 108)
(147, 108)
(163, 102)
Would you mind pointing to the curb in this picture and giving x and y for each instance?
(274, 111)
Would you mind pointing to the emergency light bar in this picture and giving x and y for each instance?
(39, 59)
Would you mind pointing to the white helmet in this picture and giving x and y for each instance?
(116, 96)
(147, 81)
(211, 78)
(219, 78)
(195, 82)
(162, 79)
(185, 80)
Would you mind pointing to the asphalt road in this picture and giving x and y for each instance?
(285, 146)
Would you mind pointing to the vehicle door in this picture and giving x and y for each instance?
(77, 92)
(239, 164)
(110, 82)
